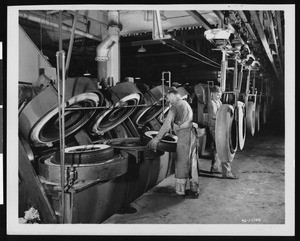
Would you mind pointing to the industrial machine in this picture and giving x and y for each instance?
(83, 142)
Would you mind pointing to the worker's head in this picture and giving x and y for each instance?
(216, 92)
(172, 95)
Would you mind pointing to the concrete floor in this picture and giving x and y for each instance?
(257, 197)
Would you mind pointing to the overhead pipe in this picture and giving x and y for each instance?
(52, 24)
(103, 49)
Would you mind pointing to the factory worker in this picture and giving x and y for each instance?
(217, 166)
(180, 117)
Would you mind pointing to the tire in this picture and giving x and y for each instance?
(146, 114)
(102, 171)
(39, 120)
(250, 113)
(241, 111)
(201, 93)
(226, 133)
(86, 154)
(168, 143)
(124, 93)
(183, 93)
(257, 118)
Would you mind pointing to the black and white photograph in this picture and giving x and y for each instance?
(151, 119)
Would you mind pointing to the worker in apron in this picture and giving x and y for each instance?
(217, 166)
(180, 116)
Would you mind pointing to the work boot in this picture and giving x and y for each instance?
(229, 175)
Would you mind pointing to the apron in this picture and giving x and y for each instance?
(186, 168)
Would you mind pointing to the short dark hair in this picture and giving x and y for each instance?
(216, 89)
(173, 90)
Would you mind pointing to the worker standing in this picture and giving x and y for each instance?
(180, 116)
(217, 166)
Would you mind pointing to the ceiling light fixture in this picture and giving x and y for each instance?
(142, 49)
(87, 73)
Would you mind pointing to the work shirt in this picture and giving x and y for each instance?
(180, 113)
(213, 107)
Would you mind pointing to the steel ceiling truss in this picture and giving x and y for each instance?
(198, 17)
(264, 41)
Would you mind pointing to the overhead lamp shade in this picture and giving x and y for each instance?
(87, 73)
(142, 49)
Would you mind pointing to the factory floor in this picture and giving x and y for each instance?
(257, 197)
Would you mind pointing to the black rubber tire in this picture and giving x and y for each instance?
(257, 118)
(145, 115)
(241, 111)
(226, 133)
(124, 93)
(168, 143)
(105, 170)
(86, 154)
(201, 93)
(250, 113)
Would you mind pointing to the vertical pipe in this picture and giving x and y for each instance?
(60, 31)
(71, 42)
(163, 92)
(223, 71)
(253, 89)
(61, 113)
(158, 19)
(157, 28)
(59, 36)
(235, 75)
(247, 86)
(240, 79)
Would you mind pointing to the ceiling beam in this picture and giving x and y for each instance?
(152, 42)
(275, 41)
(247, 24)
(56, 25)
(198, 17)
(279, 28)
(263, 39)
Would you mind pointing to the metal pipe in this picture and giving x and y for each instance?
(61, 112)
(71, 42)
(163, 93)
(240, 79)
(223, 71)
(235, 75)
(104, 107)
(247, 87)
(158, 20)
(253, 87)
(60, 31)
(46, 22)
(104, 47)
(167, 72)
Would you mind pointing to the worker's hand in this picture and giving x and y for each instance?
(153, 144)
